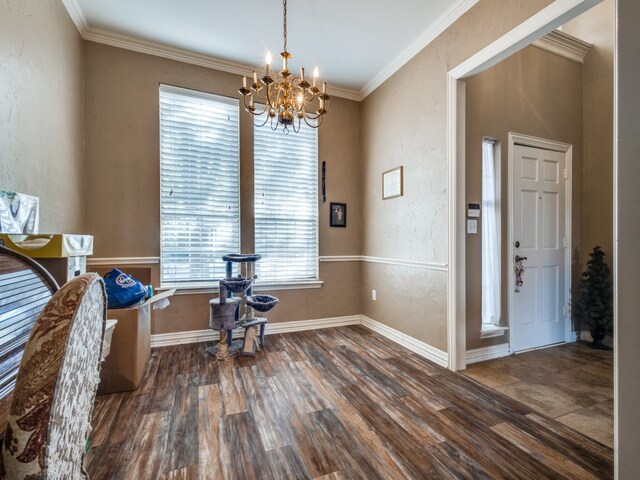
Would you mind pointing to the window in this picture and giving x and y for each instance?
(199, 185)
(490, 235)
(286, 204)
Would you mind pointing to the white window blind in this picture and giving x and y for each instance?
(286, 204)
(199, 185)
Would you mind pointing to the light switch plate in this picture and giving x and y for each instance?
(472, 226)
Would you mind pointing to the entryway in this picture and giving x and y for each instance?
(539, 236)
(571, 383)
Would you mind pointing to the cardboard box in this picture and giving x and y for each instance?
(130, 350)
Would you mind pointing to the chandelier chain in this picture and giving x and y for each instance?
(284, 24)
(286, 100)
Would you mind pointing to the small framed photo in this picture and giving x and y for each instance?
(392, 183)
(338, 214)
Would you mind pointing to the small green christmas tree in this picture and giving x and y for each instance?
(595, 301)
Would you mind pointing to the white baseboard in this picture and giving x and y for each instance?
(487, 353)
(196, 336)
(421, 348)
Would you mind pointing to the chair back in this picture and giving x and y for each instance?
(50, 414)
(25, 289)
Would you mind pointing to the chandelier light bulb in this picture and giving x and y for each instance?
(282, 98)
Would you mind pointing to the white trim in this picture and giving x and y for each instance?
(128, 42)
(487, 353)
(490, 331)
(447, 19)
(183, 338)
(116, 261)
(564, 45)
(341, 258)
(423, 349)
(567, 149)
(537, 142)
(442, 267)
(456, 251)
(196, 336)
(78, 18)
(554, 15)
(213, 288)
(550, 17)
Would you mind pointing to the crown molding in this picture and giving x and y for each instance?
(564, 45)
(128, 42)
(447, 19)
(77, 17)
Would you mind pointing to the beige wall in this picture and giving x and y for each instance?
(536, 93)
(41, 124)
(404, 123)
(596, 26)
(123, 163)
(627, 232)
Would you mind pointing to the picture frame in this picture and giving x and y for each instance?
(392, 183)
(338, 214)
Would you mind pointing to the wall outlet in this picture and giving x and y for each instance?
(374, 295)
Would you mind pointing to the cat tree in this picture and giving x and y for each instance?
(225, 310)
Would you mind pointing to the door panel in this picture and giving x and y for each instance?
(550, 218)
(529, 220)
(538, 223)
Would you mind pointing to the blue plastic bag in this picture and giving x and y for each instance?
(123, 290)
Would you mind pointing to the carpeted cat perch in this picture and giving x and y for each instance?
(225, 310)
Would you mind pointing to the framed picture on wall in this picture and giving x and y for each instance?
(392, 183)
(337, 214)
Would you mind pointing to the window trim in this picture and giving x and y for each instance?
(299, 283)
(488, 330)
(207, 96)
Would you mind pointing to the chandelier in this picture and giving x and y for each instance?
(287, 100)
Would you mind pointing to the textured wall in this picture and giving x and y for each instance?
(536, 93)
(404, 123)
(596, 26)
(41, 124)
(123, 163)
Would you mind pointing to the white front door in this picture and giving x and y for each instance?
(537, 310)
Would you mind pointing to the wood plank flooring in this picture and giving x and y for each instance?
(331, 404)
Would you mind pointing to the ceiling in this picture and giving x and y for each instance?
(356, 44)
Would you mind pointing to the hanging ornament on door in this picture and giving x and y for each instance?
(519, 271)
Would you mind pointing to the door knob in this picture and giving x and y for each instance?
(520, 259)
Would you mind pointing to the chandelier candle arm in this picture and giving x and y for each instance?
(286, 97)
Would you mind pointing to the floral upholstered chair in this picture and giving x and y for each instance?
(50, 414)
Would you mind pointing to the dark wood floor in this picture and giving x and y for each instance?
(334, 404)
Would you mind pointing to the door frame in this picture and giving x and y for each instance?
(544, 144)
(550, 17)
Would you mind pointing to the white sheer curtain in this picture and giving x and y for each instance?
(490, 237)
